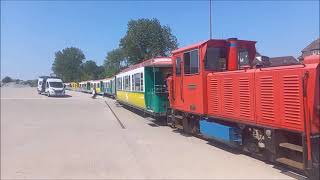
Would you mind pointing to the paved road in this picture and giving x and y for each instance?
(78, 137)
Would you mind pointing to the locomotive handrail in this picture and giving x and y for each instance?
(307, 123)
(281, 67)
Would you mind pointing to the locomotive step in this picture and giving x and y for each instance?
(290, 162)
(291, 146)
(175, 116)
(178, 116)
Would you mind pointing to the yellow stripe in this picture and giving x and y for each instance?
(133, 98)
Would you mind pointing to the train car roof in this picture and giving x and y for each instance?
(108, 79)
(154, 62)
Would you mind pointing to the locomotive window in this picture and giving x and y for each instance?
(178, 66)
(243, 57)
(215, 59)
(191, 62)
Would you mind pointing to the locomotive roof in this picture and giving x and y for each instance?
(197, 45)
(189, 47)
(154, 62)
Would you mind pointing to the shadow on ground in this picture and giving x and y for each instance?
(159, 122)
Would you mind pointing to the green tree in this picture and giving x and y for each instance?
(67, 63)
(145, 39)
(114, 61)
(101, 73)
(7, 79)
(88, 70)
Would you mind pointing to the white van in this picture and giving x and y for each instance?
(41, 87)
(54, 87)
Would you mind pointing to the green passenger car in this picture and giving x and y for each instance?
(143, 86)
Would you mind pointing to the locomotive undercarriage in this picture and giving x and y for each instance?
(273, 145)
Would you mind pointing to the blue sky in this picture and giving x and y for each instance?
(32, 31)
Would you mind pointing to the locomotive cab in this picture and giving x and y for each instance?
(192, 64)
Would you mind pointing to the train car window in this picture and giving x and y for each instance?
(119, 83)
(137, 82)
(178, 66)
(243, 57)
(191, 62)
(133, 83)
(141, 84)
(127, 83)
(215, 59)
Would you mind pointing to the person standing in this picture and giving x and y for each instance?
(94, 93)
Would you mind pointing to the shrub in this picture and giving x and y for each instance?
(7, 79)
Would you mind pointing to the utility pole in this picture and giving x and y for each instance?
(210, 19)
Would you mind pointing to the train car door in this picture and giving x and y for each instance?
(192, 93)
(101, 86)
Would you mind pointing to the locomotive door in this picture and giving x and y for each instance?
(178, 84)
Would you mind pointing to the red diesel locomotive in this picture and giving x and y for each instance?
(272, 112)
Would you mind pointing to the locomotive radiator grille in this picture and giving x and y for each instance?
(267, 99)
(228, 95)
(291, 100)
(213, 96)
(244, 90)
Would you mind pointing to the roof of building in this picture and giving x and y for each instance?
(283, 61)
(312, 46)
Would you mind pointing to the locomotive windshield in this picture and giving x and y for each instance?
(215, 59)
(243, 57)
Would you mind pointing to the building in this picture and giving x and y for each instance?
(283, 61)
(311, 49)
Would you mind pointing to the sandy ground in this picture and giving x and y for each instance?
(78, 137)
